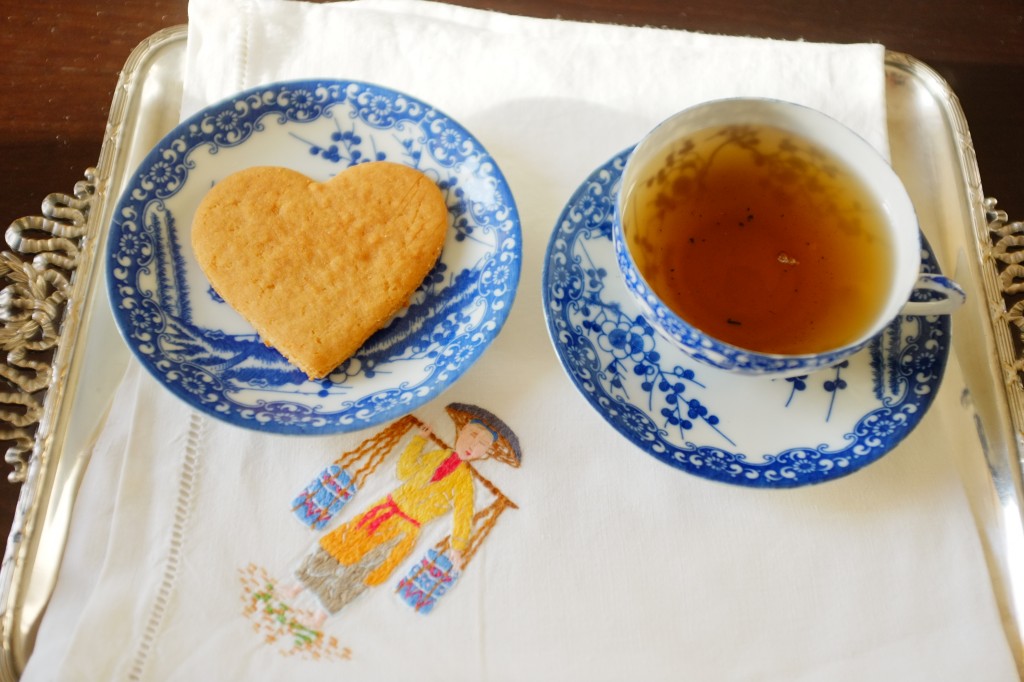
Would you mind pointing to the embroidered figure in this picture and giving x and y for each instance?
(435, 480)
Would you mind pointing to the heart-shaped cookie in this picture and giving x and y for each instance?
(317, 267)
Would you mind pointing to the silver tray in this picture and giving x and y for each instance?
(58, 407)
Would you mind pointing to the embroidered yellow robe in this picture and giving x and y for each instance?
(398, 517)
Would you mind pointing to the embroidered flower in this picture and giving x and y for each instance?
(281, 625)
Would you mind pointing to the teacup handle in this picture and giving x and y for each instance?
(953, 296)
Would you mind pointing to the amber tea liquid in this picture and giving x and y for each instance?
(761, 240)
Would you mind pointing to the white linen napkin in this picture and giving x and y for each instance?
(612, 566)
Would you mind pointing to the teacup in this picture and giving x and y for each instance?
(764, 237)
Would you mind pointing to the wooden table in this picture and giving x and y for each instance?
(61, 61)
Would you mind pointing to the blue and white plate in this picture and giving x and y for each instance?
(205, 353)
(753, 431)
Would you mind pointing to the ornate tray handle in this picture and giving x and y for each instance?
(35, 275)
(1008, 250)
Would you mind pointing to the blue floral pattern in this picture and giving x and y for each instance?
(197, 346)
(704, 420)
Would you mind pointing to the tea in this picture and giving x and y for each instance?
(761, 240)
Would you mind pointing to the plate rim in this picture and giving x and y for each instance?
(666, 457)
(360, 420)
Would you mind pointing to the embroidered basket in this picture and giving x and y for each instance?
(324, 497)
(428, 581)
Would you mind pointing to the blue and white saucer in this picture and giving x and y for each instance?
(206, 354)
(753, 431)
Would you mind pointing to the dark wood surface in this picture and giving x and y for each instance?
(61, 62)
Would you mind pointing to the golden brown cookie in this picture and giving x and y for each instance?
(317, 267)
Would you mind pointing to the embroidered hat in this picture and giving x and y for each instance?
(506, 444)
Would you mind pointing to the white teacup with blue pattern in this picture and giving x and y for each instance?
(799, 154)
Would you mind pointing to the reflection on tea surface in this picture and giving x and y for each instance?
(761, 240)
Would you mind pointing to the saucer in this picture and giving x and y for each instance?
(199, 348)
(754, 431)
